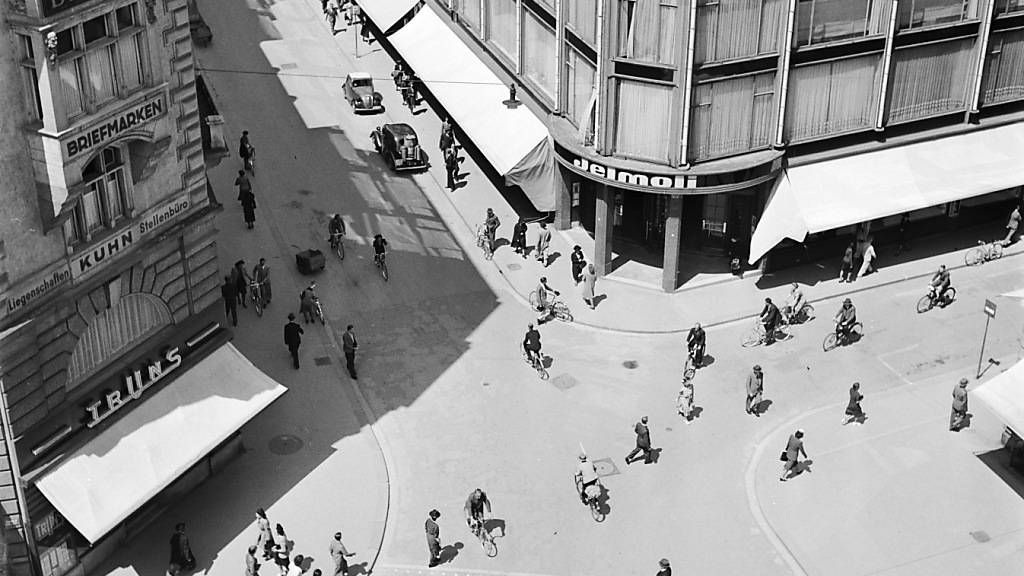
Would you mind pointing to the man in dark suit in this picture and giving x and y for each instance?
(643, 442)
(770, 316)
(229, 293)
(451, 165)
(292, 338)
(578, 263)
(349, 345)
(433, 538)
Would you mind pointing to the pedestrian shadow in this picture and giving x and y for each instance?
(461, 176)
(598, 298)
(602, 501)
(706, 361)
(964, 422)
(449, 552)
(552, 257)
(307, 563)
(762, 406)
(459, 184)
(695, 413)
(492, 524)
(360, 568)
(801, 467)
(655, 456)
(858, 420)
(499, 242)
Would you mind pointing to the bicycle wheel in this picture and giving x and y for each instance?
(974, 257)
(541, 370)
(997, 251)
(561, 311)
(806, 313)
(948, 296)
(924, 304)
(830, 342)
(752, 338)
(320, 314)
(780, 333)
(341, 250)
(257, 304)
(856, 333)
(384, 270)
(595, 511)
(490, 548)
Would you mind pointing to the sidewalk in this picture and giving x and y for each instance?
(629, 305)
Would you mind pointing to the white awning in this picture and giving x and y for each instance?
(385, 13)
(513, 140)
(1004, 395)
(860, 188)
(102, 483)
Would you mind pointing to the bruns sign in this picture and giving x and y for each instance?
(135, 385)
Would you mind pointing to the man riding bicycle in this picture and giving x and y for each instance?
(545, 299)
(531, 344)
(794, 303)
(491, 224)
(380, 246)
(474, 509)
(336, 229)
(770, 318)
(845, 318)
(940, 283)
(586, 475)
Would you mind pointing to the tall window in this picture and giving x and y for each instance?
(647, 30)
(643, 120)
(30, 78)
(580, 76)
(819, 21)
(830, 98)
(931, 79)
(540, 54)
(921, 13)
(728, 29)
(501, 26)
(731, 116)
(1008, 6)
(469, 12)
(1004, 68)
(583, 19)
(106, 199)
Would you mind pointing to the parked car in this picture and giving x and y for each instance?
(399, 146)
(360, 93)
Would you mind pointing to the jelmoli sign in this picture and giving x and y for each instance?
(630, 177)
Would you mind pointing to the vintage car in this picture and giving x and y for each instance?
(399, 146)
(360, 93)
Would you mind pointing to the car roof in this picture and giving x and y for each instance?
(400, 129)
(359, 75)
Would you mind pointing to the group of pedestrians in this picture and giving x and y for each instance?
(236, 287)
(273, 547)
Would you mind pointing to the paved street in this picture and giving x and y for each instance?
(444, 403)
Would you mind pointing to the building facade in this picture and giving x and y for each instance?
(107, 244)
(673, 119)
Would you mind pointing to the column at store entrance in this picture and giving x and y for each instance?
(604, 221)
(673, 242)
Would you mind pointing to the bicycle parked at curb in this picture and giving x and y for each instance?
(484, 241)
(256, 293)
(984, 252)
(932, 299)
(837, 338)
(536, 361)
(758, 335)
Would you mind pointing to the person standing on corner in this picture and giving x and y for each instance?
(958, 414)
(293, 338)
(349, 345)
(261, 274)
(433, 538)
(846, 266)
(794, 447)
(755, 387)
(244, 148)
(339, 554)
(230, 296)
(854, 413)
(578, 263)
(543, 242)
(643, 442)
(589, 280)
(519, 237)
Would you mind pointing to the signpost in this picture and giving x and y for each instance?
(990, 313)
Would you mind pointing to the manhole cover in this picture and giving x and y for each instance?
(980, 536)
(605, 467)
(485, 384)
(630, 364)
(285, 444)
(322, 361)
(563, 382)
(513, 266)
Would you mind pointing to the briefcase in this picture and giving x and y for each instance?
(310, 261)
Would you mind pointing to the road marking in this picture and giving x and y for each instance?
(881, 358)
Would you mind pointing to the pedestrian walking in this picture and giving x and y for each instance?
(451, 165)
(643, 442)
(846, 266)
(1012, 225)
(902, 242)
(230, 295)
(332, 14)
(296, 567)
(447, 139)
(664, 568)
(249, 209)
(307, 300)
(181, 550)
(543, 242)
(867, 264)
(684, 401)
(244, 149)
(519, 237)
(794, 447)
(339, 554)
(853, 410)
(755, 387)
(349, 345)
(292, 339)
(958, 415)
(243, 183)
(261, 274)
(579, 262)
(696, 342)
(265, 541)
(589, 281)
(282, 548)
(252, 566)
(433, 538)
(241, 280)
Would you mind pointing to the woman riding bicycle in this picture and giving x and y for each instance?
(845, 318)
(794, 303)
(940, 282)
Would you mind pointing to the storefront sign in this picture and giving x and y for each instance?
(109, 129)
(629, 178)
(135, 384)
(102, 253)
(28, 292)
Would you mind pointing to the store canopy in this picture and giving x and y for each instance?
(514, 140)
(102, 483)
(863, 187)
(1004, 395)
(384, 13)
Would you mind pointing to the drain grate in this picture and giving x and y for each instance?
(630, 364)
(605, 467)
(563, 382)
(322, 361)
(513, 267)
(980, 536)
(285, 444)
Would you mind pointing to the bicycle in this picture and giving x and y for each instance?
(318, 310)
(535, 361)
(931, 299)
(592, 498)
(984, 252)
(379, 260)
(833, 339)
(484, 242)
(690, 368)
(557, 308)
(249, 163)
(758, 335)
(337, 244)
(805, 314)
(478, 529)
(256, 293)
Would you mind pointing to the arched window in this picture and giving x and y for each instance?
(135, 317)
(107, 197)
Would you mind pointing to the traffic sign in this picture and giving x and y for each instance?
(990, 308)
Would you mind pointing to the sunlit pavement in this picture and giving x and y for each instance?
(444, 404)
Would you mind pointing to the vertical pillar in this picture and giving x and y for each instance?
(673, 240)
(563, 200)
(604, 220)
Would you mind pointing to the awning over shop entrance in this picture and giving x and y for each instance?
(1004, 395)
(513, 140)
(863, 187)
(385, 13)
(102, 483)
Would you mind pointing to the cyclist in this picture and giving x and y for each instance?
(845, 319)
(336, 229)
(695, 340)
(939, 285)
(793, 304)
(474, 509)
(770, 318)
(531, 343)
(491, 224)
(544, 299)
(586, 475)
(380, 246)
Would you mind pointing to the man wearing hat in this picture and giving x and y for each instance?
(643, 442)
(666, 569)
(958, 415)
(755, 385)
(794, 448)
(292, 339)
